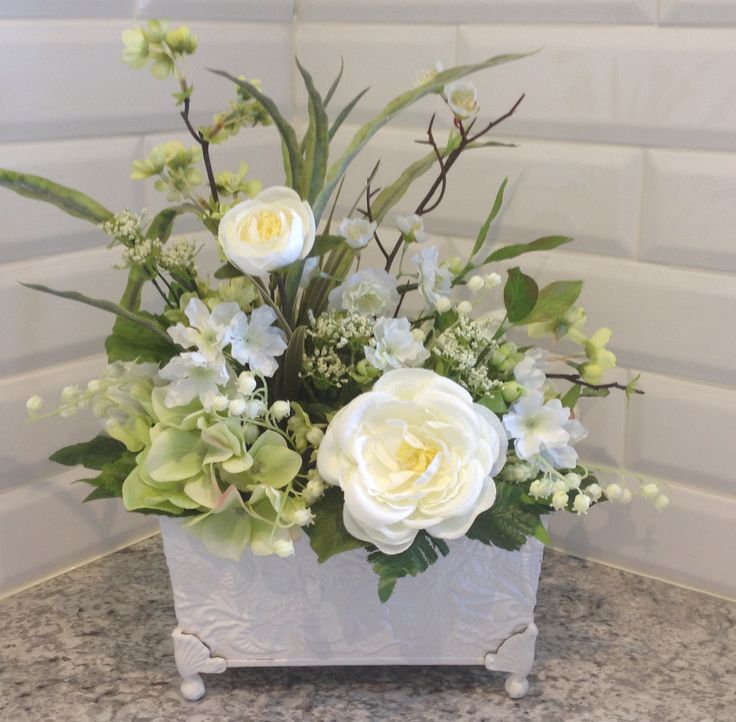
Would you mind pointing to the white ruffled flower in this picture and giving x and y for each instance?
(412, 226)
(357, 232)
(546, 429)
(435, 282)
(208, 331)
(192, 376)
(396, 347)
(462, 97)
(256, 343)
(267, 232)
(414, 453)
(529, 372)
(370, 292)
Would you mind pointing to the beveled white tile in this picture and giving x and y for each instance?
(67, 9)
(665, 320)
(45, 530)
(689, 214)
(26, 446)
(632, 85)
(689, 543)
(261, 10)
(697, 12)
(469, 11)
(685, 432)
(388, 59)
(69, 81)
(98, 167)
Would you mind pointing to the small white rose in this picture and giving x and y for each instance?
(370, 292)
(267, 232)
(357, 232)
(413, 453)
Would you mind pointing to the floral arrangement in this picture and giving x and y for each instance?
(303, 390)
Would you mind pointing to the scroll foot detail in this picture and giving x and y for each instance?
(192, 657)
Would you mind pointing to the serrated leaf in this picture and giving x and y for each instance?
(328, 536)
(417, 558)
(519, 295)
(75, 203)
(109, 482)
(399, 103)
(483, 233)
(131, 342)
(92, 454)
(547, 243)
(316, 142)
(513, 517)
(553, 300)
(292, 162)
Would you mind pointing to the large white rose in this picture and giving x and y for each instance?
(267, 232)
(414, 453)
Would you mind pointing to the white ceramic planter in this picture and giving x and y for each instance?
(475, 606)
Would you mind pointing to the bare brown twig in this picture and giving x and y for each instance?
(205, 150)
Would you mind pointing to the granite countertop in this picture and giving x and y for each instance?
(94, 645)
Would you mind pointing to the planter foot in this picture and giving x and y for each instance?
(516, 686)
(192, 657)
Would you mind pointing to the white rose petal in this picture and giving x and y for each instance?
(414, 453)
(370, 292)
(267, 232)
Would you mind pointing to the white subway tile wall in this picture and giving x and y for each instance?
(626, 140)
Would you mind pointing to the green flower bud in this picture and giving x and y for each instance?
(511, 391)
(181, 41)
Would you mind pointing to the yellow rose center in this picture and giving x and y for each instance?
(414, 459)
(268, 225)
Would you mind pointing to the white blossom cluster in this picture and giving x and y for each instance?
(142, 252)
(178, 254)
(124, 228)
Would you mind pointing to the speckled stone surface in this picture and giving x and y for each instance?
(94, 645)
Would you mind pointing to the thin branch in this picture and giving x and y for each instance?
(574, 378)
(205, 150)
(369, 215)
(266, 297)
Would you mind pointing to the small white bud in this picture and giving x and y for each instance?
(315, 435)
(538, 489)
(661, 502)
(492, 280)
(283, 547)
(625, 497)
(613, 492)
(559, 500)
(246, 383)
(559, 487)
(219, 403)
(650, 490)
(302, 517)
(572, 480)
(581, 504)
(254, 408)
(250, 433)
(464, 308)
(476, 283)
(94, 386)
(313, 491)
(34, 403)
(70, 394)
(418, 335)
(237, 407)
(443, 304)
(280, 410)
(594, 491)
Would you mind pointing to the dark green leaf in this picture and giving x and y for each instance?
(541, 244)
(494, 402)
(131, 298)
(292, 162)
(519, 295)
(483, 233)
(109, 483)
(595, 393)
(328, 536)
(554, 300)
(325, 243)
(228, 271)
(163, 222)
(571, 397)
(335, 83)
(542, 534)
(416, 559)
(293, 363)
(132, 342)
(513, 517)
(73, 202)
(344, 113)
(93, 454)
(316, 145)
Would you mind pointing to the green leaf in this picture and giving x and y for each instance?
(163, 222)
(631, 389)
(547, 243)
(103, 305)
(519, 295)
(416, 559)
(325, 243)
(571, 397)
(132, 342)
(293, 363)
(228, 271)
(554, 300)
(328, 536)
(292, 162)
(109, 482)
(494, 402)
(542, 534)
(483, 233)
(75, 203)
(399, 103)
(335, 83)
(93, 454)
(344, 113)
(316, 145)
(131, 298)
(513, 517)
